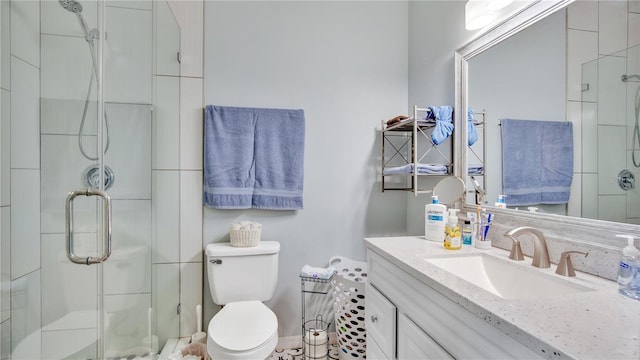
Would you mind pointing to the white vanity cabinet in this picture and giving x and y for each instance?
(380, 322)
(424, 324)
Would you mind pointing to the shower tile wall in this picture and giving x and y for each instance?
(20, 80)
(599, 30)
(157, 194)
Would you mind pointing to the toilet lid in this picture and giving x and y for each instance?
(243, 325)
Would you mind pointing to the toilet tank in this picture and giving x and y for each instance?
(242, 273)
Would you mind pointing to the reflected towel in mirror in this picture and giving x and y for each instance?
(537, 161)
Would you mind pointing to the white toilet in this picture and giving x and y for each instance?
(241, 278)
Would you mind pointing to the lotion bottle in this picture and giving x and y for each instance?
(435, 214)
(453, 235)
(628, 277)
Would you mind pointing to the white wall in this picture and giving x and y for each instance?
(346, 65)
(436, 29)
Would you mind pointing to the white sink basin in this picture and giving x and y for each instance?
(507, 279)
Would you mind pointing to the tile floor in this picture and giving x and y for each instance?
(296, 354)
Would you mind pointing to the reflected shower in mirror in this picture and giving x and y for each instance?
(568, 67)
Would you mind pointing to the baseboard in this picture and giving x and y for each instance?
(295, 342)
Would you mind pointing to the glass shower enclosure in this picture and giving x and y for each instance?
(80, 86)
(611, 137)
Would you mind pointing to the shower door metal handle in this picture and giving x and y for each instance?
(106, 215)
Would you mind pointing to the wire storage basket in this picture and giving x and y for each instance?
(316, 339)
(348, 294)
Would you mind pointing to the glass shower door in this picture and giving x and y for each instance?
(77, 117)
(610, 112)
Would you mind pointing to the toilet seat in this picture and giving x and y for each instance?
(243, 327)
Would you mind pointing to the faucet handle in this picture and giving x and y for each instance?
(516, 250)
(565, 267)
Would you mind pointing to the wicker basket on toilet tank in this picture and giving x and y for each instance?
(245, 235)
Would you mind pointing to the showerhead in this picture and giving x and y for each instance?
(76, 8)
(629, 77)
(71, 5)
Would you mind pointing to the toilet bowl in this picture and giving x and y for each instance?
(241, 279)
(242, 330)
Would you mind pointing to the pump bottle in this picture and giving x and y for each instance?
(628, 276)
(501, 203)
(435, 215)
(453, 236)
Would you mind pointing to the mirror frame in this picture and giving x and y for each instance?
(485, 40)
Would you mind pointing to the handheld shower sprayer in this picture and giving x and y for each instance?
(71, 5)
(90, 36)
(76, 8)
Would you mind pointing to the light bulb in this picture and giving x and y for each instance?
(477, 15)
(498, 4)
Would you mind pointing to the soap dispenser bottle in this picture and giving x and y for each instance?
(628, 277)
(501, 203)
(435, 215)
(453, 236)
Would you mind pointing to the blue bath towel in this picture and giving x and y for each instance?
(443, 116)
(253, 158)
(537, 161)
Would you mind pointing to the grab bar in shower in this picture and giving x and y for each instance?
(106, 216)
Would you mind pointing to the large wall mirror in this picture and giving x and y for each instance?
(559, 61)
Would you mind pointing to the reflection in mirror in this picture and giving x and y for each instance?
(449, 189)
(568, 67)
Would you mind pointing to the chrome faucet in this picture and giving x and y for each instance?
(565, 266)
(540, 251)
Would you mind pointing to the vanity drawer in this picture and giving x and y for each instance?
(380, 321)
(414, 343)
(374, 352)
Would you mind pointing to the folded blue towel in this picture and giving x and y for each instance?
(472, 134)
(475, 169)
(443, 115)
(537, 161)
(423, 169)
(253, 157)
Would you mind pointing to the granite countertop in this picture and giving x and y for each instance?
(598, 324)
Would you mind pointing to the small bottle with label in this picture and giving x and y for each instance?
(467, 233)
(453, 236)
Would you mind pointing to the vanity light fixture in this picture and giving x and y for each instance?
(477, 14)
(498, 4)
(480, 13)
